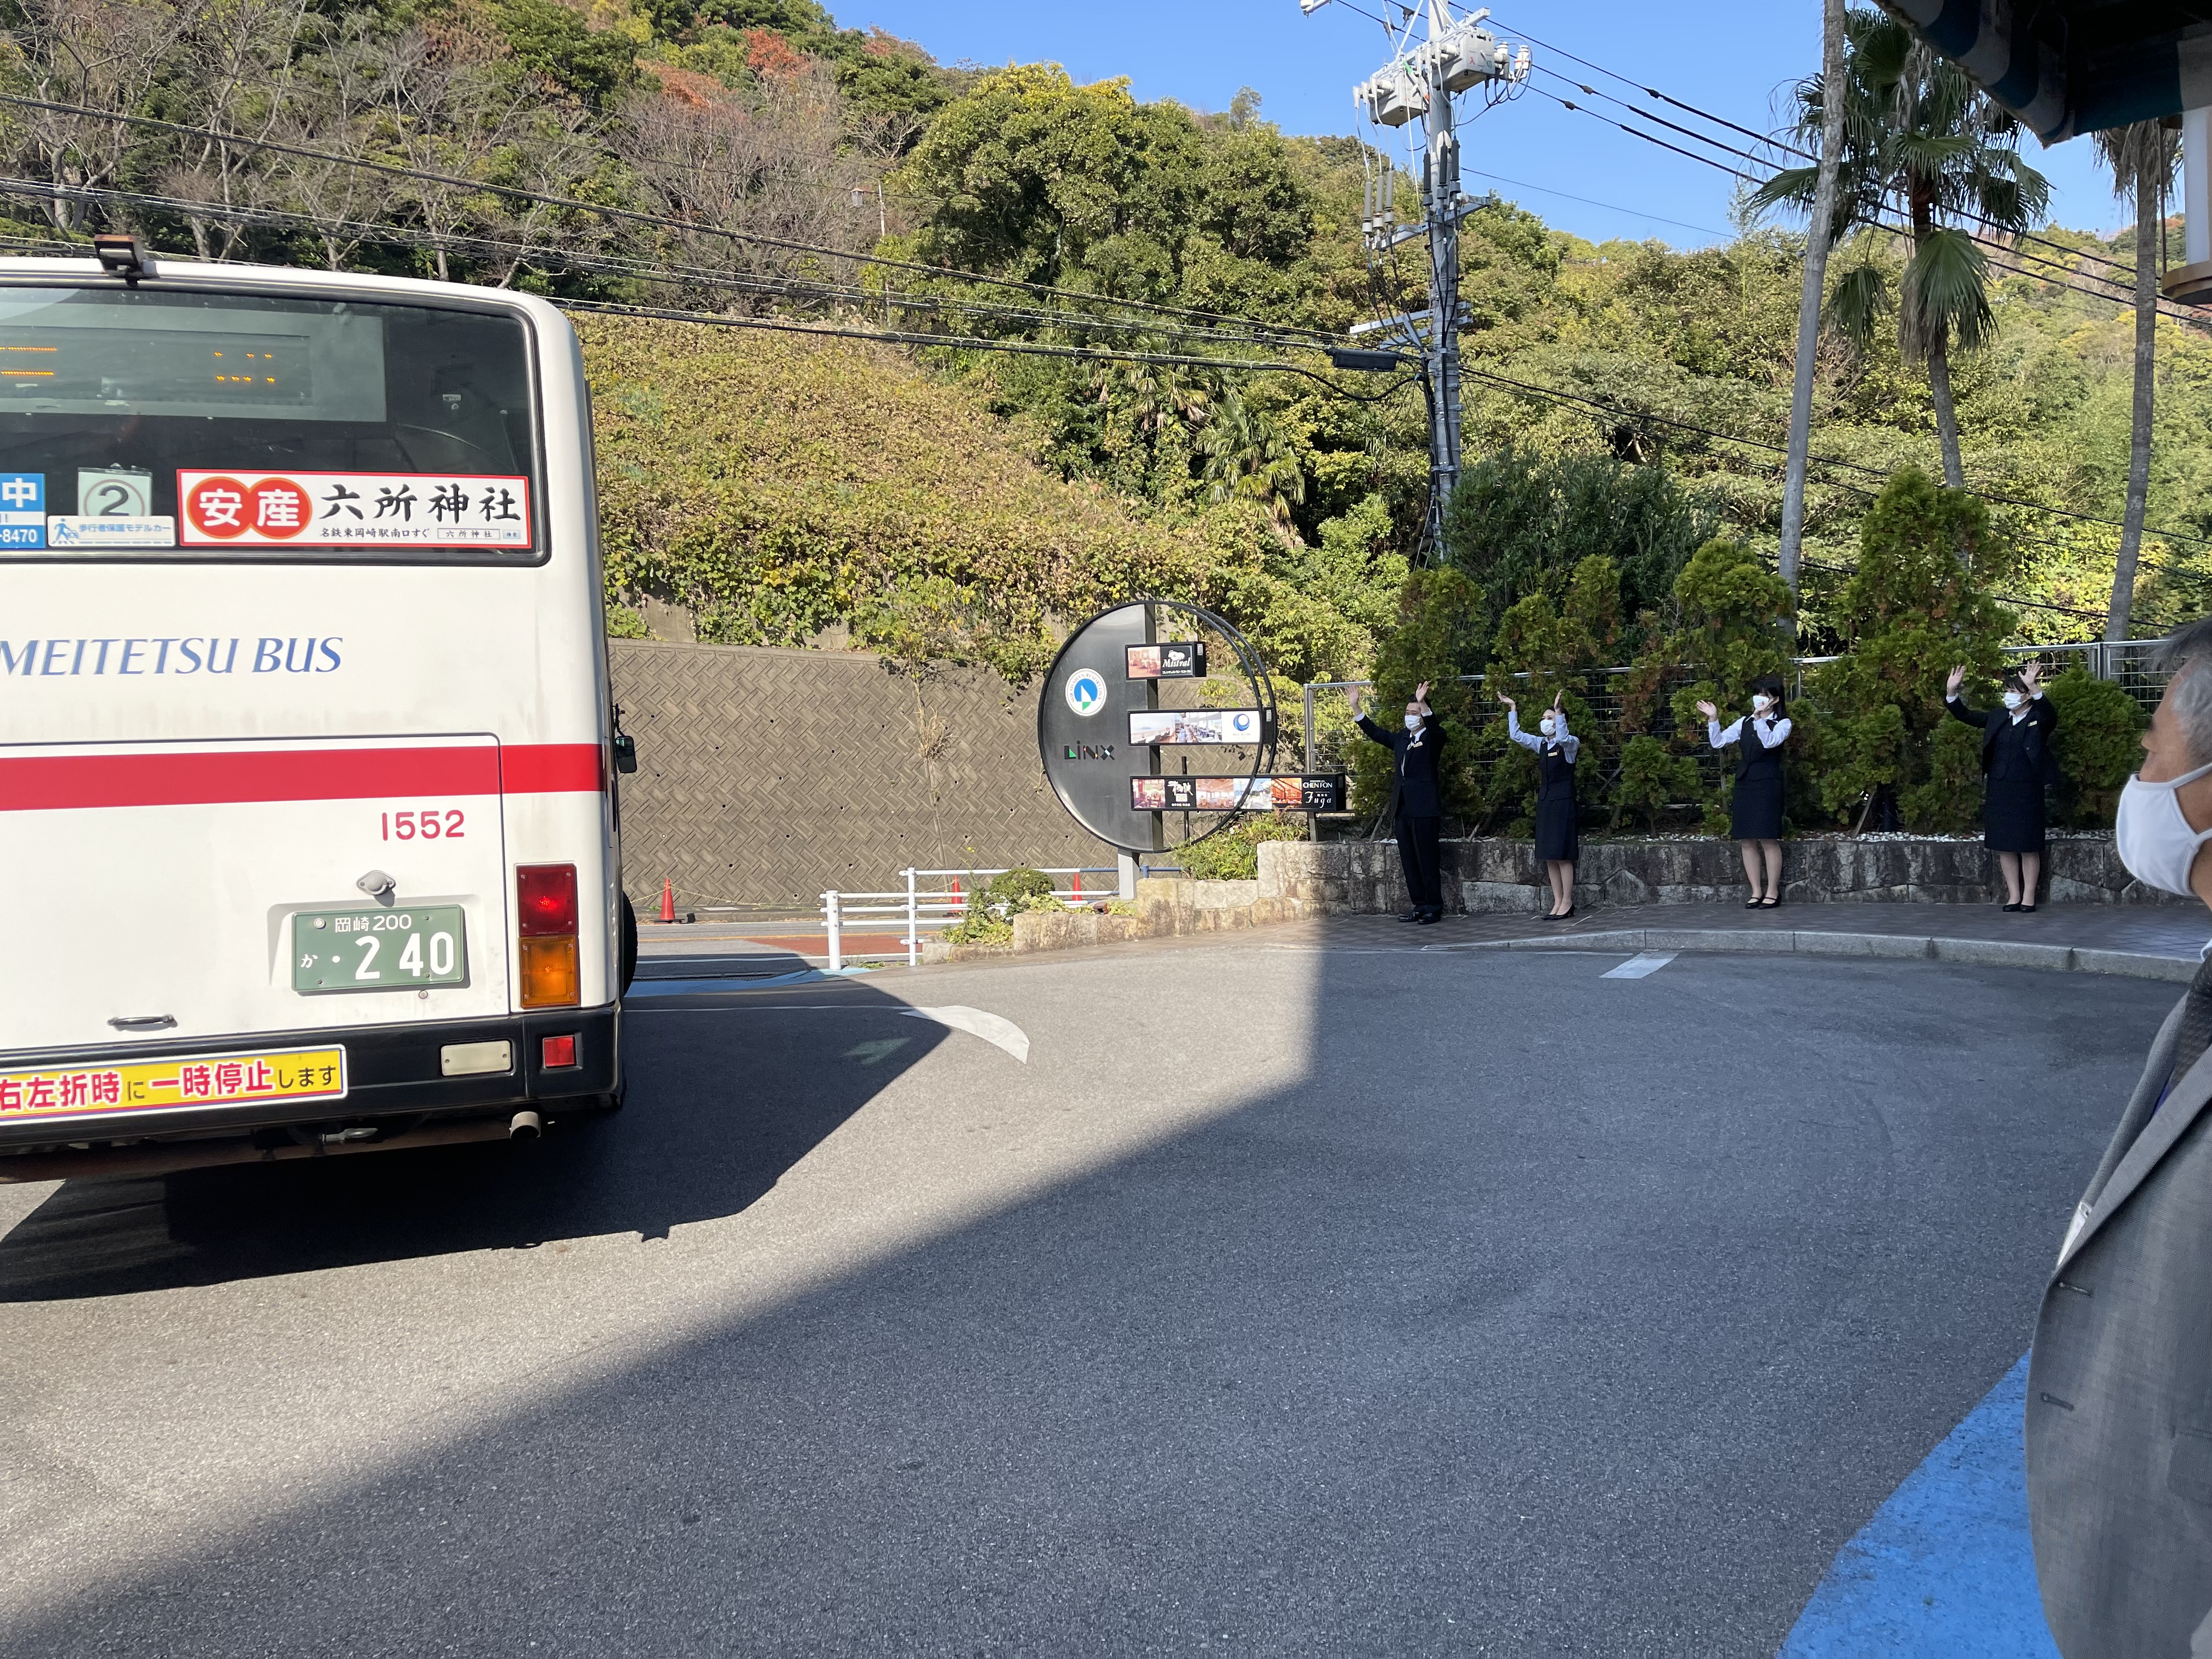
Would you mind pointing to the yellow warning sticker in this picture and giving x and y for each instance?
(167, 1085)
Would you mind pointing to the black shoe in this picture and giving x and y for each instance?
(2025, 909)
(1564, 915)
(2012, 907)
(1411, 915)
(1430, 918)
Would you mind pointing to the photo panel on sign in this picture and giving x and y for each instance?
(1164, 727)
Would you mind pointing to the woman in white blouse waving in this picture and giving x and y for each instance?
(1557, 840)
(1755, 809)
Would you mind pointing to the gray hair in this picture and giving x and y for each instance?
(2181, 655)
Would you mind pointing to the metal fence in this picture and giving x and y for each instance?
(922, 907)
(1331, 738)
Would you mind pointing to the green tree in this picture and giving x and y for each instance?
(1520, 524)
(1731, 616)
(1248, 458)
(2100, 743)
(2141, 157)
(1542, 652)
(1912, 608)
(1916, 127)
(1438, 623)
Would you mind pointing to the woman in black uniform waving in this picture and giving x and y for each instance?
(1557, 840)
(2016, 758)
(1755, 809)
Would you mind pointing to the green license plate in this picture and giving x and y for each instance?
(374, 949)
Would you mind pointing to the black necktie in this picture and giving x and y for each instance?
(2196, 1034)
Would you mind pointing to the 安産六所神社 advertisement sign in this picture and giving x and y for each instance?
(351, 509)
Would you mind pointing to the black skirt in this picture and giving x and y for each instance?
(1556, 834)
(2012, 814)
(1755, 808)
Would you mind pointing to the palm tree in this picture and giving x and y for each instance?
(1916, 130)
(1817, 241)
(1248, 457)
(2143, 158)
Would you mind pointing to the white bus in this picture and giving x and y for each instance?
(306, 753)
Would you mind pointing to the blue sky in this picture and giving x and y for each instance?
(1735, 58)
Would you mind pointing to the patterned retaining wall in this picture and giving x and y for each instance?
(766, 776)
(1492, 874)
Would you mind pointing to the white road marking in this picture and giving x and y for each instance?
(1637, 967)
(993, 1029)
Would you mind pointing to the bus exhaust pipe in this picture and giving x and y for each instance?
(525, 1125)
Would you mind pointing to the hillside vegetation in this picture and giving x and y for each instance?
(953, 500)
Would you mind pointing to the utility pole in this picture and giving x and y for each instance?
(1419, 85)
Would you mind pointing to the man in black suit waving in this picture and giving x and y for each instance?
(1418, 797)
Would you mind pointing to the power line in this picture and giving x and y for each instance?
(1610, 207)
(1990, 496)
(2167, 307)
(1020, 348)
(2124, 274)
(1654, 92)
(631, 215)
(541, 255)
(889, 337)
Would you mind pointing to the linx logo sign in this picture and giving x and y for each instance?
(1103, 752)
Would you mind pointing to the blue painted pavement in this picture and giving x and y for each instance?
(1945, 1568)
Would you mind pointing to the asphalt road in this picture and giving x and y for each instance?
(1284, 1301)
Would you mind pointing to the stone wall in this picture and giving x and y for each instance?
(766, 776)
(1491, 874)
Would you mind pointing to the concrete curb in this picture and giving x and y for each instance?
(1764, 941)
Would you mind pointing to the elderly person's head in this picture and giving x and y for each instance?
(2165, 812)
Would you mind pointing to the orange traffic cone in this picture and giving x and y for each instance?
(667, 901)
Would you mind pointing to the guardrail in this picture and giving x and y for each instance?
(919, 908)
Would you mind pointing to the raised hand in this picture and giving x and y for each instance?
(1957, 678)
(1421, 692)
(1509, 702)
(2032, 675)
(1352, 696)
(1709, 711)
(1555, 700)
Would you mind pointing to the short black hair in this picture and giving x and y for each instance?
(1771, 684)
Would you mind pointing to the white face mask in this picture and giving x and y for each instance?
(2014, 699)
(1549, 725)
(1761, 703)
(1413, 722)
(2153, 838)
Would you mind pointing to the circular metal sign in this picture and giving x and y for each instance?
(1101, 728)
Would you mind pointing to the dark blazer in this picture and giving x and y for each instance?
(1419, 794)
(2119, 1390)
(2042, 721)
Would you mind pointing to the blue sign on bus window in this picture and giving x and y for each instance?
(23, 509)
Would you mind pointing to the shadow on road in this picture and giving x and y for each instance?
(717, 1116)
(1536, 1312)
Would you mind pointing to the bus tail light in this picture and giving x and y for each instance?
(545, 911)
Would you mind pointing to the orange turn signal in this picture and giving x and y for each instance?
(552, 976)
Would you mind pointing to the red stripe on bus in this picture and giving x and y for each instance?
(34, 783)
(550, 768)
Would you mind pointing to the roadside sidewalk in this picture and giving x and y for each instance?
(2142, 941)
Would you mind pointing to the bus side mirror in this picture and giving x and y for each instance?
(625, 753)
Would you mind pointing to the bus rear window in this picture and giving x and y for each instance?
(138, 423)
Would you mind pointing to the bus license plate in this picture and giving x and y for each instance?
(378, 949)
